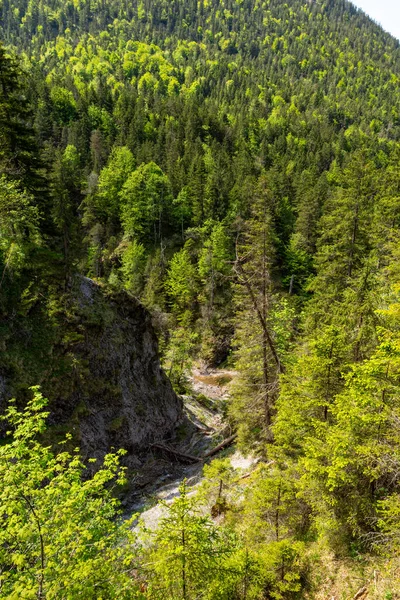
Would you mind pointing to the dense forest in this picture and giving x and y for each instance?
(235, 166)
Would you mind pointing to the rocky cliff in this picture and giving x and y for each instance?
(103, 375)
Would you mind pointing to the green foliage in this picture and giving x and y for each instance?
(153, 295)
(59, 537)
(181, 282)
(219, 488)
(235, 165)
(133, 265)
(66, 183)
(64, 105)
(214, 256)
(19, 158)
(120, 165)
(258, 357)
(19, 227)
(179, 355)
(214, 266)
(146, 201)
(188, 555)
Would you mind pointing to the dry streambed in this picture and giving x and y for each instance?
(204, 413)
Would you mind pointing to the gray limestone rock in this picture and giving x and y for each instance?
(104, 379)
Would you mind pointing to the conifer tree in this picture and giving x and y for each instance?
(258, 356)
(188, 555)
(19, 156)
(215, 271)
(345, 241)
(66, 180)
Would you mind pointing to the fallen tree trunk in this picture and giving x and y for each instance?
(224, 444)
(181, 455)
(224, 431)
(362, 593)
(189, 457)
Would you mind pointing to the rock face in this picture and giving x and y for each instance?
(128, 401)
(105, 382)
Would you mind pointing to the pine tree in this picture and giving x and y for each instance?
(258, 356)
(215, 271)
(188, 555)
(20, 238)
(344, 244)
(19, 156)
(66, 184)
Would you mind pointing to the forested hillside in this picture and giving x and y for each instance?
(235, 166)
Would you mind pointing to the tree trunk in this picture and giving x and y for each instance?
(184, 591)
(353, 242)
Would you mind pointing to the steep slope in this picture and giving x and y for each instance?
(295, 47)
(234, 165)
(98, 364)
(93, 352)
(124, 399)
